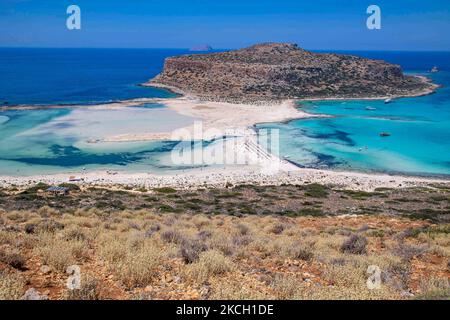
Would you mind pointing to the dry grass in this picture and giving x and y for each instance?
(13, 258)
(130, 254)
(355, 244)
(139, 267)
(235, 290)
(58, 252)
(210, 263)
(89, 290)
(135, 260)
(435, 289)
(11, 286)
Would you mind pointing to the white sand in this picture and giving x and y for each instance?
(118, 104)
(218, 118)
(103, 121)
(219, 177)
(222, 117)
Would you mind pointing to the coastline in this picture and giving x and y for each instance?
(429, 89)
(112, 104)
(187, 95)
(223, 177)
(241, 118)
(425, 92)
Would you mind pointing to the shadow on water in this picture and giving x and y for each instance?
(70, 156)
(336, 135)
(324, 160)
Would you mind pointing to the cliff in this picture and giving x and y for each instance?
(275, 71)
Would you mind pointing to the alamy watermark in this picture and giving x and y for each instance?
(73, 22)
(374, 280)
(74, 279)
(229, 147)
(374, 20)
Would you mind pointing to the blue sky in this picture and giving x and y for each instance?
(313, 24)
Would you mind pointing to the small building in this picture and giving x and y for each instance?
(58, 191)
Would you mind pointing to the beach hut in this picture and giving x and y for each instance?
(58, 191)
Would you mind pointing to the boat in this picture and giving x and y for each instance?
(384, 134)
(371, 108)
(388, 100)
(434, 69)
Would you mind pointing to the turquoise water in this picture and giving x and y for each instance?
(350, 140)
(57, 140)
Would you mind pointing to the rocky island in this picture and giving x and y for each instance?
(278, 71)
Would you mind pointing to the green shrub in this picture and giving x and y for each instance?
(316, 190)
(165, 190)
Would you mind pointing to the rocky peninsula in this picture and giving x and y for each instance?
(279, 71)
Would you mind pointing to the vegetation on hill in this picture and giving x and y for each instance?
(250, 242)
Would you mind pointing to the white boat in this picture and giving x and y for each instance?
(371, 108)
(388, 100)
(434, 69)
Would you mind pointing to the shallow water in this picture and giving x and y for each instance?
(56, 140)
(419, 142)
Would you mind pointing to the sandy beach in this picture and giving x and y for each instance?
(222, 177)
(111, 105)
(218, 118)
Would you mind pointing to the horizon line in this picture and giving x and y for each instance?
(216, 49)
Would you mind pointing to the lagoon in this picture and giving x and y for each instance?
(419, 141)
(45, 141)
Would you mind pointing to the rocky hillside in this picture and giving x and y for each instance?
(274, 71)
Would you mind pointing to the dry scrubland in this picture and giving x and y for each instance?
(286, 242)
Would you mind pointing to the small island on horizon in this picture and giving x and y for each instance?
(280, 71)
(201, 48)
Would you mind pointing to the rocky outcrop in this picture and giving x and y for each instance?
(33, 294)
(275, 71)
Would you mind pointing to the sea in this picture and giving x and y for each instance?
(44, 141)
